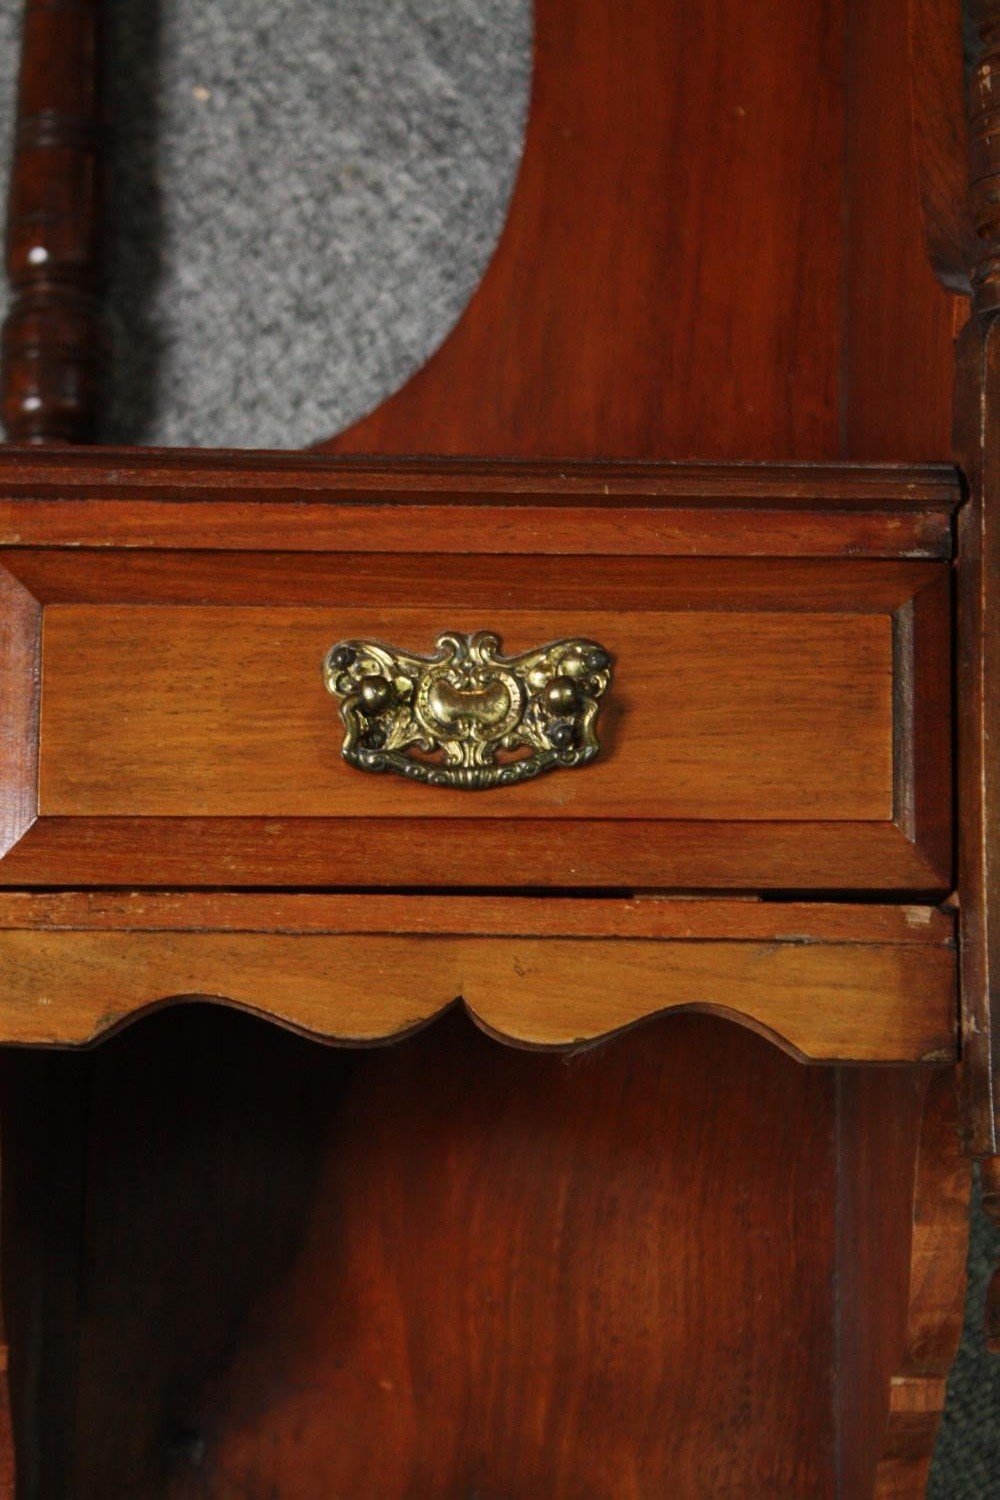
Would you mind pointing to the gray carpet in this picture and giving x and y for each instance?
(309, 194)
(313, 190)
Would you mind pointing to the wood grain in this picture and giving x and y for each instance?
(664, 284)
(622, 856)
(281, 502)
(978, 790)
(222, 712)
(505, 1273)
(866, 1002)
(899, 321)
(70, 575)
(904, 1227)
(508, 1271)
(44, 1110)
(20, 652)
(940, 137)
(739, 919)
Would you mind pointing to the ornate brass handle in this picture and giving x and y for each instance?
(466, 716)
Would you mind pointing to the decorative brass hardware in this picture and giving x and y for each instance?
(470, 707)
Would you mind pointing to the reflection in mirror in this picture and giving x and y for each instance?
(306, 195)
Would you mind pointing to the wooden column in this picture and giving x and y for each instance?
(52, 338)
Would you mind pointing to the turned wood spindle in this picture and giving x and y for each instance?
(53, 336)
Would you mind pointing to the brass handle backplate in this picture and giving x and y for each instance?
(466, 716)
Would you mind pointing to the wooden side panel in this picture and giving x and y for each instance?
(667, 282)
(904, 1206)
(899, 321)
(512, 1274)
(978, 726)
(940, 136)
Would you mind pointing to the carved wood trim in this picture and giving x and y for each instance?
(361, 969)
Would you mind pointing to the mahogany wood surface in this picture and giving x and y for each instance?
(978, 388)
(977, 709)
(777, 697)
(819, 342)
(903, 1233)
(206, 711)
(898, 321)
(53, 336)
(850, 1001)
(270, 502)
(183, 1217)
(44, 1111)
(449, 1267)
(20, 639)
(738, 919)
(940, 131)
(507, 1271)
(315, 852)
(673, 252)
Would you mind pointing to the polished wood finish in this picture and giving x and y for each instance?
(940, 134)
(53, 336)
(674, 918)
(195, 1205)
(307, 503)
(361, 969)
(509, 1269)
(185, 779)
(903, 1230)
(898, 321)
(20, 637)
(205, 709)
(679, 1262)
(978, 408)
(665, 280)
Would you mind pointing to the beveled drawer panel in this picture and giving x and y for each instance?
(771, 723)
(220, 712)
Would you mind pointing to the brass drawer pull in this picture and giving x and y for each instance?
(473, 710)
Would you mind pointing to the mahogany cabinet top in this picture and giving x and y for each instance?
(264, 501)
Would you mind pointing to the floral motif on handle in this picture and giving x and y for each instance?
(468, 717)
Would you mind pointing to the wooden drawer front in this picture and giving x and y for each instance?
(759, 731)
